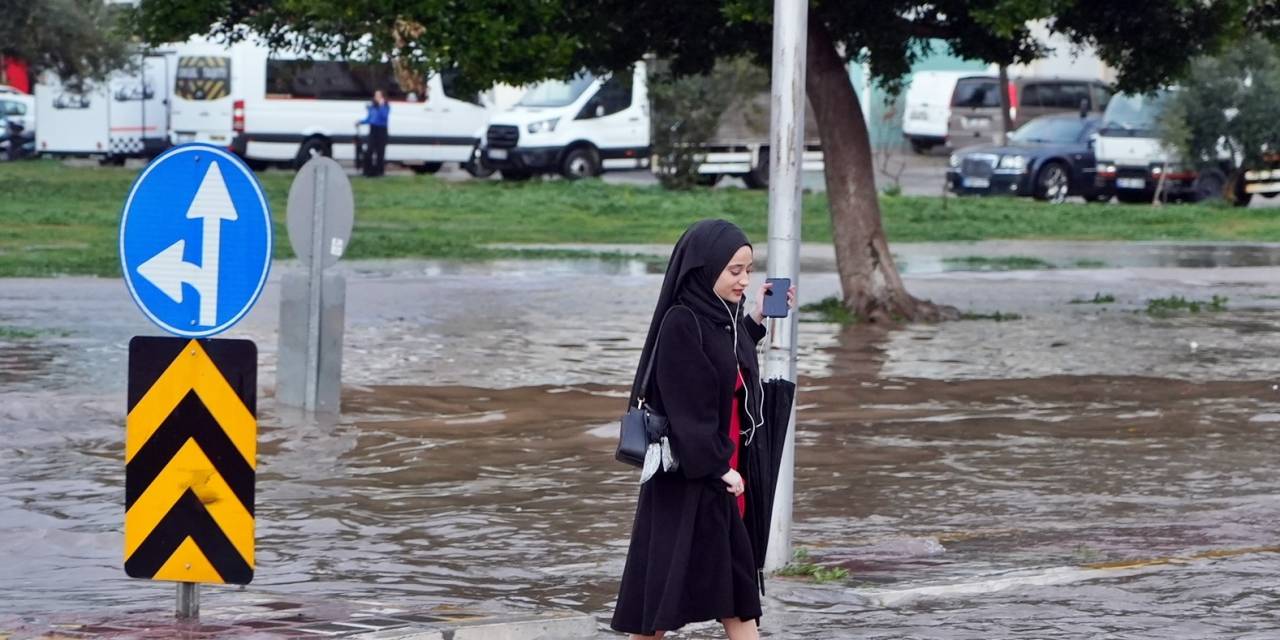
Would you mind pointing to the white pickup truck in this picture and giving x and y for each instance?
(1134, 162)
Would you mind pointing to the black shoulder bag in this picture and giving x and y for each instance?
(641, 425)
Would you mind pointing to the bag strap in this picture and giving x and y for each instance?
(648, 369)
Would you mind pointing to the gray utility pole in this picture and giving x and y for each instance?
(786, 152)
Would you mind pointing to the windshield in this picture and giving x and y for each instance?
(1050, 130)
(976, 92)
(556, 93)
(1133, 114)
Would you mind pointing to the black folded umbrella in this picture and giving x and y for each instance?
(763, 458)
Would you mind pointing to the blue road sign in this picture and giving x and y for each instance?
(195, 240)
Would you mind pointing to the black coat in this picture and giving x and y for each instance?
(690, 557)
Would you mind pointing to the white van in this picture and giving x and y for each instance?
(280, 108)
(126, 116)
(578, 128)
(928, 108)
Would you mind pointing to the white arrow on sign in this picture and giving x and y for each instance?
(168, 271)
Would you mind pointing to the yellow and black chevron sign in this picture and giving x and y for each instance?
(191, 441)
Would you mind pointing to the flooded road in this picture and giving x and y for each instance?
(1084, 471)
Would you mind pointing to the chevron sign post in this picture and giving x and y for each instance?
(190, 453)
(195, 249)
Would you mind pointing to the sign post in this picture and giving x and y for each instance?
(195, 249)
(320, 215)
(786, 151)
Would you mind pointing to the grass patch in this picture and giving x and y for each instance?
(829, 309)
(1085, 554)
(1172, 305)
(56, 219)
(801, 567)
(12, 333)
(1098, 298)
(17, 333)
(997, 316)
(1000, 263)
(1089, 263)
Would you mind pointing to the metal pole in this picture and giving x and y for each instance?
(314, 287)
(188, 601)
(786, 151)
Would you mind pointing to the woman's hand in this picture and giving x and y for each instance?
(758, 313)
(733, 482)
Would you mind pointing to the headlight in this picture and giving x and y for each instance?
(954, 160)
(543, 125)
(1012, 163)
(1107, 169)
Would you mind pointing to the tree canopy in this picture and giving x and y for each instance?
(520, 41)
(1225, 107)
(76, 39)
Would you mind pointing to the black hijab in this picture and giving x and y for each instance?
(697, 260)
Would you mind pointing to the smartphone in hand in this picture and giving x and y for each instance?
(775, 298)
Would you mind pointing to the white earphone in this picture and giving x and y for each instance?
(755, 423)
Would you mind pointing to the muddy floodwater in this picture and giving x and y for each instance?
(1081, 471)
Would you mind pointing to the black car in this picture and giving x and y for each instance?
(1049, 158)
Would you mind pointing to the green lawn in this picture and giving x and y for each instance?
(61, 220)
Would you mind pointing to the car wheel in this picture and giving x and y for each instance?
(427, 167)
(920, 148)
(311, 147)
(707, 179)
(579, 163)
(514, 175)
(477, 166)
(1209, 186)
(1053, 183)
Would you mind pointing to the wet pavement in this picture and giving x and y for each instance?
(1087, 470)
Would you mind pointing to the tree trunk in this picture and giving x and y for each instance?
(873, 290)
(1006, 120)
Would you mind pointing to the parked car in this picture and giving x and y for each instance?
(1049, 158)
(975, 104)
(17, 125)
(928, 108)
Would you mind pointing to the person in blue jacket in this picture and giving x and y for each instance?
(378, 113)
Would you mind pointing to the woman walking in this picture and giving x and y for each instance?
(690, 557)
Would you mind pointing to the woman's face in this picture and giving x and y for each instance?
(735, 278)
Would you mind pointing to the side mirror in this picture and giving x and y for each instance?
(1093, 139)
(599, 110)
(1084, 107)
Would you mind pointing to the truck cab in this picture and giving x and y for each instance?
(578, 127)
(1132, 159)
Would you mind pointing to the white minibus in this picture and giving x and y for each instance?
(277, 107)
